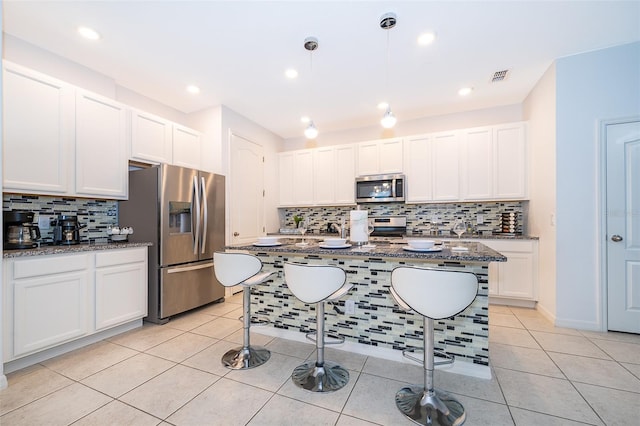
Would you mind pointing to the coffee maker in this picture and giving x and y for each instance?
(66, 230)
(19, 230)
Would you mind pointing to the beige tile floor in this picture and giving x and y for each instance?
(172, 375)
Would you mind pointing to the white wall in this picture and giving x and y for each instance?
(475, 118)
(540, 111)
(30, 56)
(593, 86)
(3, 378)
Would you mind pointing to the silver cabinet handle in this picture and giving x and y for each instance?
(616, 238)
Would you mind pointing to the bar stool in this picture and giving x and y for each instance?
(434, 294)
(317, 284)
(243, 269)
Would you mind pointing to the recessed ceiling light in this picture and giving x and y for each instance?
(193, 89)
(88, 33)
(383, 105)
(465, 91)
(291, 73)
(426, 39)
(305, 119)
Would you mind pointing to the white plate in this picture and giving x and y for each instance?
(424, 250)
(267, 245)
(334, 247)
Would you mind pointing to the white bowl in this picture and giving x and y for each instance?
(421, 244)
(267, 240)
(334, 241)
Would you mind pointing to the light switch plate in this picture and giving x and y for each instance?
(480, 219)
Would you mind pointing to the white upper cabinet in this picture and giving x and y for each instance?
(380, 157)
(151, 138)
(38, 132)
(511, 161)
(101, 147)
(334, 175)
(296, 178)
(187, 147)
(345, 174)
(320, 176)
(431, 167)
(494, 165)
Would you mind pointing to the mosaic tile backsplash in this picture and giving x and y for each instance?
(422, 219)
(95, 214)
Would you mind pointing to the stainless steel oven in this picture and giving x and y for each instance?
(380, 188)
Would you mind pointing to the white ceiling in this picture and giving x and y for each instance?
(237, 51)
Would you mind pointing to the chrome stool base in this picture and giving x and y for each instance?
(326, 378)
(439, 409)
(245, 358)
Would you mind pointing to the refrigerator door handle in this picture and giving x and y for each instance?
(189, 268)
(196, 199)
(205, 219)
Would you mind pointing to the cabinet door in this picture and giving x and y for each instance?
(121, 294)
(101, 147)
(418, 169)
(150, 138)
(390, 156)
(38, 133)
(49, 310)
(285, 170)
(324, 175)
(187, 147)
(511, 163)
(477, 171)
(345, 172)
(515, 276)
(445, 170)
(303, 177)
(368, 158)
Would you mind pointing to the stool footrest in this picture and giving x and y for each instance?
(256, 320)
(328, 340)
(407, 353)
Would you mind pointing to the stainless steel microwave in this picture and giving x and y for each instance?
(380, 188)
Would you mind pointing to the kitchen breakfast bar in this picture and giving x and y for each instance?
(374, 324)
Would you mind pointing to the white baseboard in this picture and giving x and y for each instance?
(458, 367)
(20, 363)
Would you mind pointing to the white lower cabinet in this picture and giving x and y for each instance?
(119, 295)
(51, 300)
(516, 280)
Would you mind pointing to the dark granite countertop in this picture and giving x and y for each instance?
(477, 252)
(76, 248)
(430, 237)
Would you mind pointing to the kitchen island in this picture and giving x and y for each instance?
(377, 326)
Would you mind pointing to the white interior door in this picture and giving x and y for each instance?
(623, 226)
(246, 200)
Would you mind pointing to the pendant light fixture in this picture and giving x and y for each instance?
(311, 44)
(388, 21)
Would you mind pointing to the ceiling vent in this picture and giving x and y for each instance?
(499, 76)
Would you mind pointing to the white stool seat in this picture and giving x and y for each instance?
(317, 284)
(434, 294)
(243, 269)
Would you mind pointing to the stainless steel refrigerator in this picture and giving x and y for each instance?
(181, 211)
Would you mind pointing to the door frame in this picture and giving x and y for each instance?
(602, 215)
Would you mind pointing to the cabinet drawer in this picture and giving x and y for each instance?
(521, 246)
(120, 257)
(48, 265)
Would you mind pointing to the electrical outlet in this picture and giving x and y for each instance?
(480, 219)
(44, 222)
(350, 306)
